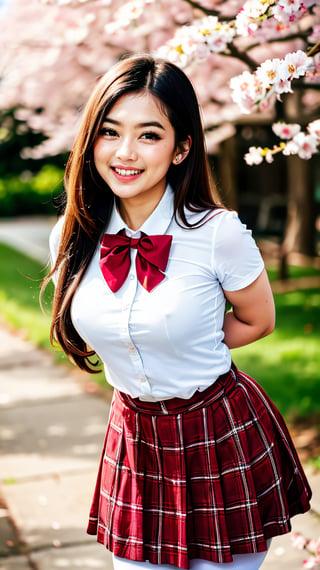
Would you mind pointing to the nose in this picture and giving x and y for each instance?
(126, 150)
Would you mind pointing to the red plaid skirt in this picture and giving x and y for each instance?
(208, 477)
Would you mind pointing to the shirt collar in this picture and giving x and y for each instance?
(157, 223)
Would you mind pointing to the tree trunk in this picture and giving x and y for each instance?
(300, 229)
(227, 172)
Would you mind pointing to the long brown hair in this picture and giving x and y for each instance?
(89, 200)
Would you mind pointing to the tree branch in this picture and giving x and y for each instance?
(299, 35)
(242, 56)
(303, 86)
(315, 49)
(206, 11)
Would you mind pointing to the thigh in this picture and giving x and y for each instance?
(240, 562)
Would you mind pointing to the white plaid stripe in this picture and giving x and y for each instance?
(277, 476)
(247, 505)
(213, 503)
(160, 487)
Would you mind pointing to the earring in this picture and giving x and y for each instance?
(178, 158)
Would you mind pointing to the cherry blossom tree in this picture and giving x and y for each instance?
(53, 50)
(242, 57)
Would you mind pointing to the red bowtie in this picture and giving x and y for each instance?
(151, 260)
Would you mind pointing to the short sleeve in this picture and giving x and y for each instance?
(54, 240)
(236, 260)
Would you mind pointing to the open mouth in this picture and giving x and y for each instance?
(126, 172)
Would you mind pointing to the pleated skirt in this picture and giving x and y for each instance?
(208, 477)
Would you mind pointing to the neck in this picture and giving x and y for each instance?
(135, 214)
(134, 220)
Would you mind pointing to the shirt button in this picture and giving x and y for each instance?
(131, 276)
(132, 349)
(143, 379)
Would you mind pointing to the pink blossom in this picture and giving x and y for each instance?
(307, 145)
(314, 543)
(314, 129)
(201, 52)
(254, 156)
(290, 148)
(216, 35)
(268, 72)
(32, 76)
(181, 12)
(309, 563)
(255, 9)
(248, 90)
(272, 28)
(284, 86)
(267, 15)
(278, 73)
(264, 105)
(250, 16)
(286, 131)
(288, 10)
(315, 72)
(197, 41)
(294, 65)
(129, 11)
(269, 157)
(245, 27)
(173, 51)
(297, 539)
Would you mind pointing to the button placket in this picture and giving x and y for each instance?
(126, 304)
(127, 301)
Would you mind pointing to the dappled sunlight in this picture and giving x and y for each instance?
(56, 430)
(7, 434)
(279, 364)
(94, 429)
(78, 563)
(85, 449)
(299, 299)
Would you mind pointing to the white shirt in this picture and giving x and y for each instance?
(168, 342)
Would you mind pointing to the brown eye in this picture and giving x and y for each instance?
(107, 132)
(151, 136)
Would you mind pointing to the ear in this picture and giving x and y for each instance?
(182, 151)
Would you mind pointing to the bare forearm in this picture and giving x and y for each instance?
(252, 315)
(239, 333)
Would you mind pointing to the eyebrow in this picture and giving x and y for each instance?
(140, 125)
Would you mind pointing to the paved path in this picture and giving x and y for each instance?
(29, 235)
(51, 433)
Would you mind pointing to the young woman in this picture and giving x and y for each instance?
(198, 468)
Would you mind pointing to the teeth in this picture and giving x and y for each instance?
(123, 172)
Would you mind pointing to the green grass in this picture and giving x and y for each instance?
(20, 279)
(286, 363)
(294, 272)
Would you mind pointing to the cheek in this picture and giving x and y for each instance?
(160, 157)
(100, 152)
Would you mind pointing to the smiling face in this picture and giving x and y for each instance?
(133, 152)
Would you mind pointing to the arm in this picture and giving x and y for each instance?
(252, 315)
